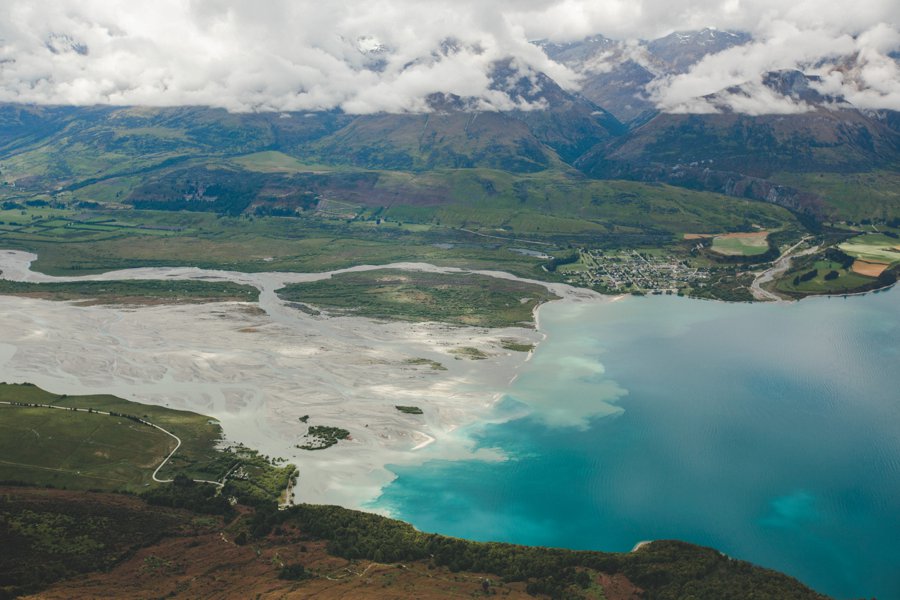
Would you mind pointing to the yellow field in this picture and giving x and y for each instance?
(870, 269)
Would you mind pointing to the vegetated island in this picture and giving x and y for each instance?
(323, 436)
(456, 298)
(187, 538)
(143, 292)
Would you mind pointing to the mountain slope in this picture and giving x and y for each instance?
(108, 545)
(737, 153)
(616, 73)
(552, 124)
(427, 141)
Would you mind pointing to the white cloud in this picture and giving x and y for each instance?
(252, 55)
(872, 79)
(386, 55)
(786, 48)
(854, 66)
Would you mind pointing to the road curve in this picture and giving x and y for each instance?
(103, 412)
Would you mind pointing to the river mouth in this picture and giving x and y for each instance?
(261, 369)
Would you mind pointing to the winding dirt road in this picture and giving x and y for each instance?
(103, 412)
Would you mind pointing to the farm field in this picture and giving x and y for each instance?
(869, 269)
(741, 244)
(877, 248)
(801, 280)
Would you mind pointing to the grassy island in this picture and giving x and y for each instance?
(457, 298)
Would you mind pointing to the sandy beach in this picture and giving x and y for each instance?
(259, 368)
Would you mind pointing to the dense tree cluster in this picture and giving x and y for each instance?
(837, 255)
(665, 569)
(186, 493)
(558, 261)
(46, 537)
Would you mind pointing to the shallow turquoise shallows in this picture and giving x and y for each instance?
(771, 432)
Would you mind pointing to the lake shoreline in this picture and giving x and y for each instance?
(735, 426)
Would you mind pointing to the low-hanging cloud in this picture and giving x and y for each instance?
(383, 55)
(391, 55)
(853, 68)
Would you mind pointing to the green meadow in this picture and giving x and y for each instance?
(874, 247)
(90, 451)
(830, 278)
(106, 443)
(77, 450)
(740, 246)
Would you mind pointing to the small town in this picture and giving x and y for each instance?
(632, 271)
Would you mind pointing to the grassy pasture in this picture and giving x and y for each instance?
(272, 161)
(107, 449)
(873, 248)
(78, 450)
(741, 244)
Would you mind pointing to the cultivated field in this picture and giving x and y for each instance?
(741, 244)
(869, 269)
(873, 248)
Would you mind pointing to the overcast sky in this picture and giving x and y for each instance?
(388, 55)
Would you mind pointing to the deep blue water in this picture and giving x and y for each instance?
(771, 432)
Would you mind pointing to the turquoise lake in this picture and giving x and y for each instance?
(768, 431)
